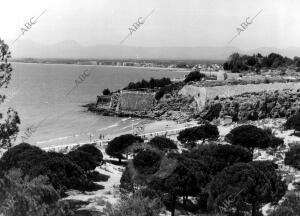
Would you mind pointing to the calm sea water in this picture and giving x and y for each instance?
(38, 94)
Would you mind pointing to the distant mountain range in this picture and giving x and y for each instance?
(72, 49)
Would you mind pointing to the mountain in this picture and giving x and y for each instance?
(72, 49)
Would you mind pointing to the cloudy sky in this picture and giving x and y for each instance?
(173, 22)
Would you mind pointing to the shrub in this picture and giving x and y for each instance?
(135, 205)
(118, 146)
(24, 196)
(206, 131)
(106, 91)
(194, 76)
(292, 157)
(153, 83)
(293, 122)
(162, 143)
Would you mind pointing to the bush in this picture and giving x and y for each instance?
(118, 146)
(206, 131)
(292, 157)
(162, 143)
(153, 83)
(147, 161)
(194, 76)
(24, 196)
(106, 91)
(135, 205)
(293, 122)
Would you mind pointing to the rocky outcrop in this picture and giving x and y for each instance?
(253, 106)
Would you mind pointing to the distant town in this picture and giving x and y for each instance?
(213, 65)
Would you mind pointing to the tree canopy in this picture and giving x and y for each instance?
(250, 136)
(162, 143)
(247, 184)
(202, 132)
(118, 146)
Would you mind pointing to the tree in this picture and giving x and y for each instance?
(247, 184)
(85, 160)
(217, 157)
(187, 178)
(106, 92)
(63, 173)
(24, 196)
(293, 122)
(92, 150)
(147, 161)
(206, 131)
(162, 143)
(118, 146)
(292, 157)
(9, 127)
(194, 76)
(250, 137)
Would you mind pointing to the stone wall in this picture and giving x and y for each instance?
(136, 101)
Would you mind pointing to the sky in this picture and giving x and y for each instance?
(180, 23)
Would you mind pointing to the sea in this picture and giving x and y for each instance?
(49, 99)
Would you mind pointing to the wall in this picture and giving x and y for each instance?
(202, 94)
(136, 101)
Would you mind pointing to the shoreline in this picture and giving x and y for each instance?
(156, 128)
(136, 67)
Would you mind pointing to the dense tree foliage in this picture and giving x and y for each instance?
(24, 196)
(9, 124)
(147, 161)
(293, 122)
(118, 146)
(250, 136)
(292, 157)
(87, 156)
(162, 143)
(62, 172)
(237, 63)
(151, 84)
(206, 131)
(194, 76)
(168, 89)
(106, 91)
(187, 179)
(217, 157)
(247, 185)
